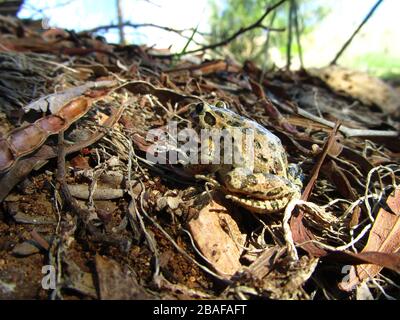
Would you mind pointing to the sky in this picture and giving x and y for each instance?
(87, 14)
(381, 34)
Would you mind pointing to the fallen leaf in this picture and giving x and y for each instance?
(301, 235)
(25, 165)
(80, 162)
(357, 84)
(343, 186)
(383, 243)
(26, 249)
(330, 143)
(116, 284)
(215, 241)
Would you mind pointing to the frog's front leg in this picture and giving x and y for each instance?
(259, 192)
(208, 179)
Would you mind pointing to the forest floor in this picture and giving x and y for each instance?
(84, 214)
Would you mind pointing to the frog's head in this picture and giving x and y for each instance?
(206, 115)
(210, 116)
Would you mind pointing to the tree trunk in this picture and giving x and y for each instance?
(120, 22)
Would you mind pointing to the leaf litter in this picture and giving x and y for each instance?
(78, 193)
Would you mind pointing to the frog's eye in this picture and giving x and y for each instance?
(199, 107)
(221, 104)
(210, 119)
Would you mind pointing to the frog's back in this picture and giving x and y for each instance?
(269, 154)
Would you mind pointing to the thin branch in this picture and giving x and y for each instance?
(141, 25)
(347, 43)
(257, 24)
(40, 11)
(146, 25)
(348, 132)
(267, 28)
(153, 3)
(83, 214)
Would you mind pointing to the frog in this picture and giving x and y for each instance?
(260, 179)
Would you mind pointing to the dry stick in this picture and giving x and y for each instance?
(83, 214)
(146, 25)
(347, 43)
(141, 25)
(41, 11)
(317, 168)
(348, 132)
(257, 24)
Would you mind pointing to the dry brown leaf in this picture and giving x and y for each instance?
(212, 231)
(116, 284)
(360, 85)
(338, 177)
(208, 67)
(343, 186)
(354, 156)
(331, 142)
(24, 166)
(384, 238)
(272, 111)
(301, 235)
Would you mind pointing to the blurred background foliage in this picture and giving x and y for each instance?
(261, 45)
(315, 29)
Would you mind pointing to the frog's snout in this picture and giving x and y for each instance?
(206, 118)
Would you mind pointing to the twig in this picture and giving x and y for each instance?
(189, 41)
(40, 240)
(257, 24)
(147, 25)
(142, 25)
(348, 132)
(347, 43)
(28, 6)
(317, 167)
(287, 232)
(82, 214)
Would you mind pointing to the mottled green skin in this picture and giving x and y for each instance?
(258, 179)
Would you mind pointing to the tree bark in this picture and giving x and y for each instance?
(120, 22)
